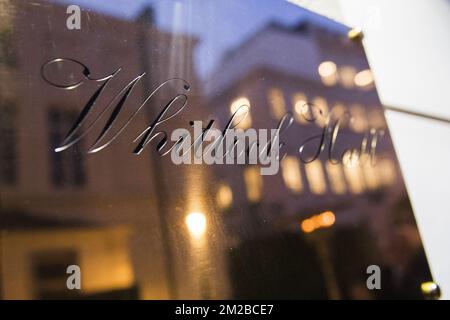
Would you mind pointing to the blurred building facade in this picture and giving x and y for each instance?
(284, 69)
(118, 190)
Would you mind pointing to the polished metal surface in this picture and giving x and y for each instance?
(90, 102)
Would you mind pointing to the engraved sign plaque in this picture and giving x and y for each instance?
(196, 150)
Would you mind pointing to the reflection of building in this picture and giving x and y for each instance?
(284, 69)
(273, 87)
(191, 231)
(113, 189)
(37, 259)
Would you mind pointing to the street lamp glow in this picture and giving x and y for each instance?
(323, 220)
(196, 223)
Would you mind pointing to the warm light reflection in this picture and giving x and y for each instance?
(327, 72)
(241, 106)
(316, 177)
(290, 167)
(196, 223)
(327, 68)
(330, 81)
(430, 288)
(354, 178)
(346, 76)
(359, 122)
(386, 171)
(299, 101)
(224, 197)
(327, 219)
(371, 175)
(323, 220)
(364, 78)
(253, 183)
(321, 104)
(277, 103)
(351, 158)
(355, 33)
(376, 118)
(336, 177)
(307, 226)
(338, 111)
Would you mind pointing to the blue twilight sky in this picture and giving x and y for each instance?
(205, 19)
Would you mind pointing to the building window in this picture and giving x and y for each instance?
(316, 177)
(290, 167)
(341, 113)
(253, 183)
(376, 119)
(328, 73)
(355, 179)
(224, 197)
(386, 171)
(277, 103)
(49, 273)
(66, 167)
(241, 106)
(322, 110)
(300, 105)
(347, 76)
(359, 122)
(336, 178)
(364, 79)
(338, 111)
(8, 145)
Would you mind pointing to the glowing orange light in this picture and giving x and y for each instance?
(327, 219)
(317, 219)
(323, 220)
(308, 226)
